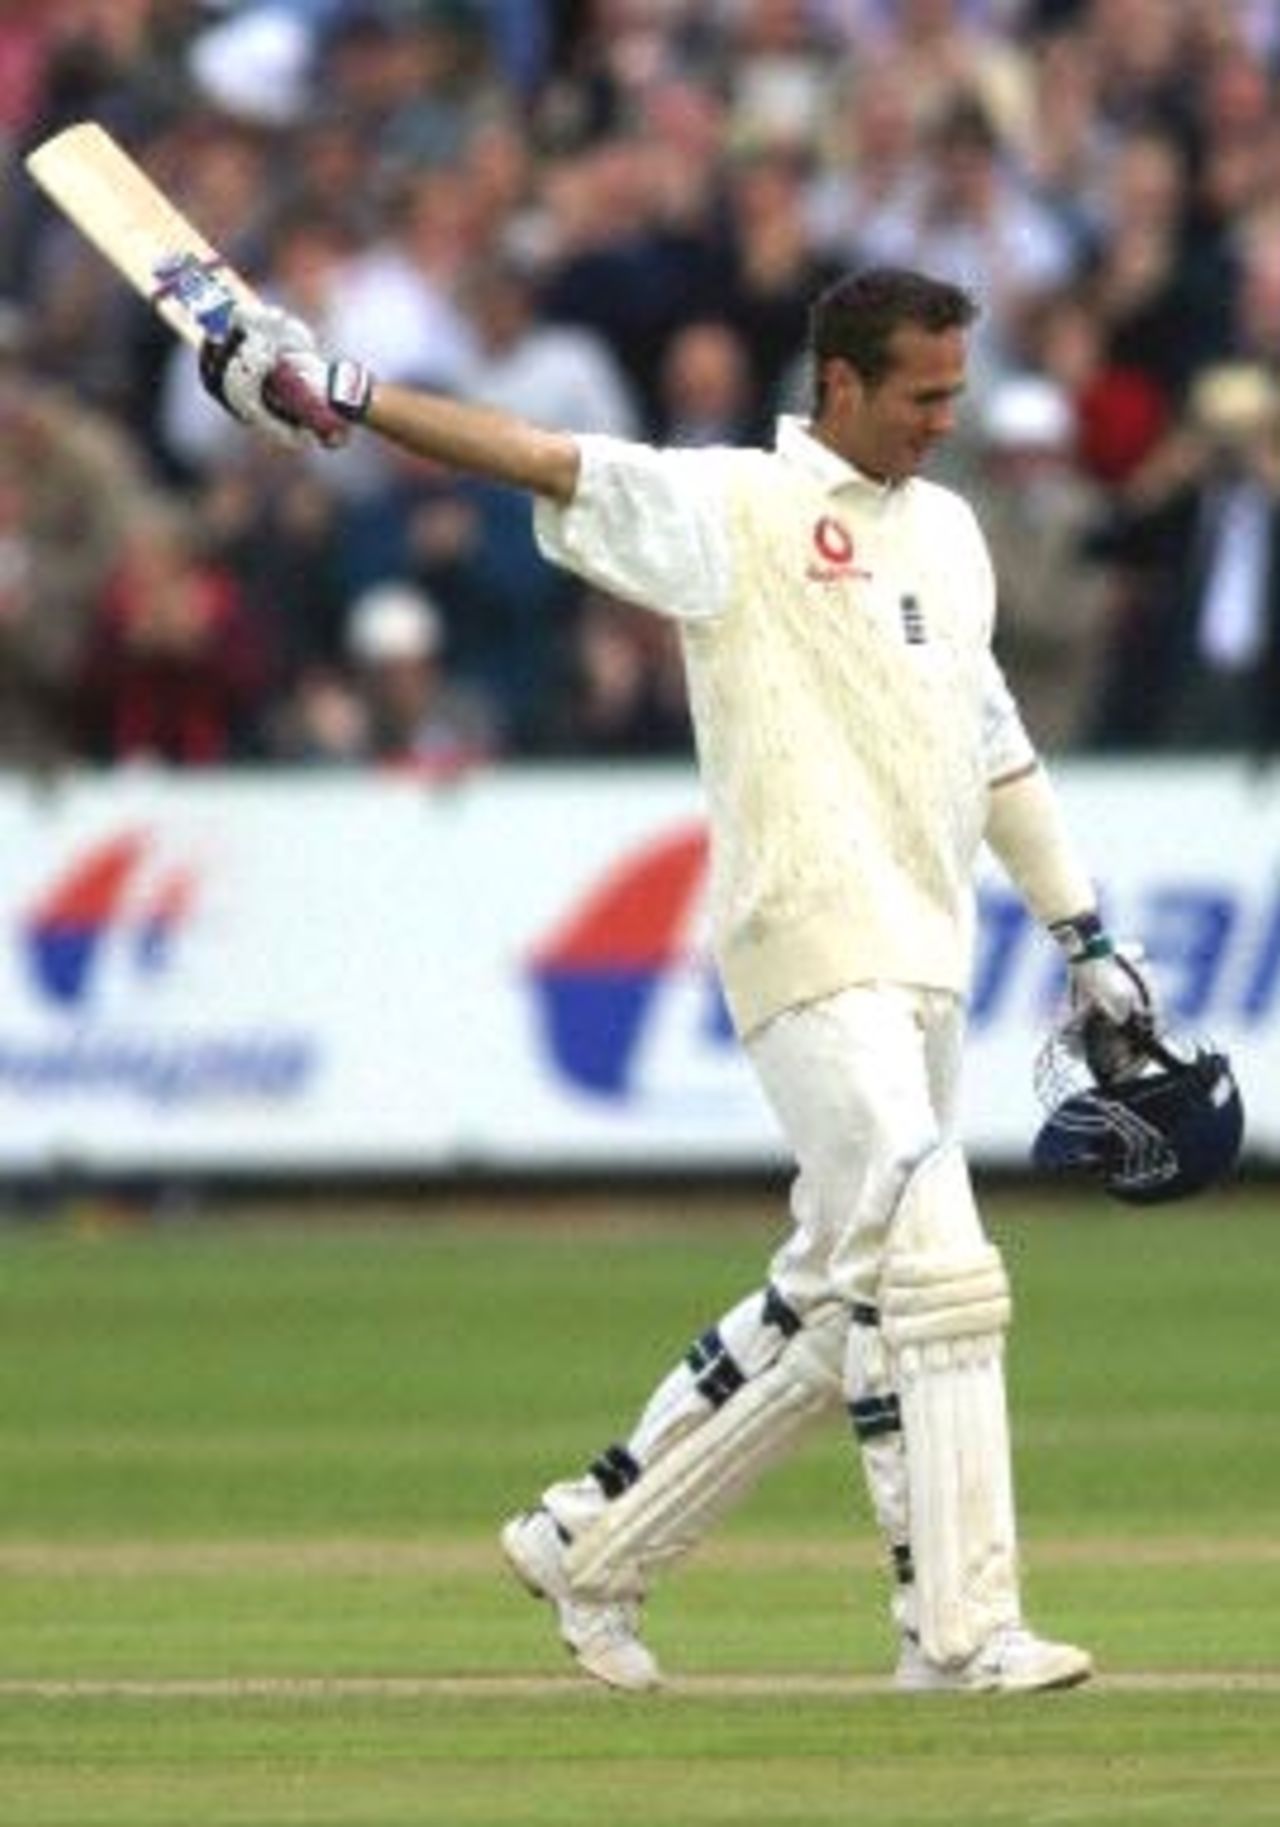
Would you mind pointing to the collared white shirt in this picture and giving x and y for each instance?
(651, 526)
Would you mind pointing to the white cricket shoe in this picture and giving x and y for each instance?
(1011, 1661)
(604, 1636)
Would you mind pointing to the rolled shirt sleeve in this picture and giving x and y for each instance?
(1006, 745)
(646, 525)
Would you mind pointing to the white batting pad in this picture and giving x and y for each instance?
(683, 1493)
(944, 1313)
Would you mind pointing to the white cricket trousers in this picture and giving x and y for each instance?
(864, 1085)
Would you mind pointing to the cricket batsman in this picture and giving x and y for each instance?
(857, 743)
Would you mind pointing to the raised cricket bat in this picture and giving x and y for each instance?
(114, 204)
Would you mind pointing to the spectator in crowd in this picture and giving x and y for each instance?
(626, 695)
(281, 535)
(874, 169)
(1200, 529)
(173, 669)
(556, 374)
(976, 222)
(1066, 153)
(621, 268)
(684, 123)
(110, 62)
(327, 177)
(1236, 141)
(320, 722)
(1038, 512)
(1144, 58)
(707, 394)
(400, 293)
(253, 65)
(939, 49)
(608, 56)
(773, 268)
(1159, 313)
(413, 77)
(1120, 411)
(1253, 330)
(777, 66)
(415, 719)
(502, 180)
(620, 208)
(69, 486)
(469, 545)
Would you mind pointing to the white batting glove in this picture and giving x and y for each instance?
(235, 368)
(315, 394)
(1104, 978)
(268, 373)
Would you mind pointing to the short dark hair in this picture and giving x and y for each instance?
(855, 318)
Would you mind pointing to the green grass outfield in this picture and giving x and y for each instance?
(250, 1476)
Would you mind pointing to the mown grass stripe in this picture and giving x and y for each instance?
(523, 1687)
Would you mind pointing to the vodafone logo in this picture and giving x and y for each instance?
(833, 543)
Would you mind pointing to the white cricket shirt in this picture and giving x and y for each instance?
(847, 709)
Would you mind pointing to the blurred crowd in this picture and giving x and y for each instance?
(610, 216)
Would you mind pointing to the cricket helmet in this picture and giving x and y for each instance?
(1154, 1118)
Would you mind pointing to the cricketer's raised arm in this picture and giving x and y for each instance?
(267, 371)
(482, 440)
(644, 524)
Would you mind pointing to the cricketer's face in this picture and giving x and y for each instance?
(887, 428)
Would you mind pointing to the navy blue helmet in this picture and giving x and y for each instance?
(1150, 1118)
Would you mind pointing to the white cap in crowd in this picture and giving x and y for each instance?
(255, 65)
(393, 621)
(1028, 412)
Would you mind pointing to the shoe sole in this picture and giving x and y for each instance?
(1073, 1677)
(1056, 1684)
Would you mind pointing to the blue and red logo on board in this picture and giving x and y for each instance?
(111, 894)
(606, 972)
(97, 943)
(599, 977)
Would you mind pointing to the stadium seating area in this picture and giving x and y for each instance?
(610, 215)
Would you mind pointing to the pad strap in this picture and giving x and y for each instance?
(679, 1496)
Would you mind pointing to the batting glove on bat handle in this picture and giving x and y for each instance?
(227, 374)
(234, 369)
(216, 355)
(324, 397)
